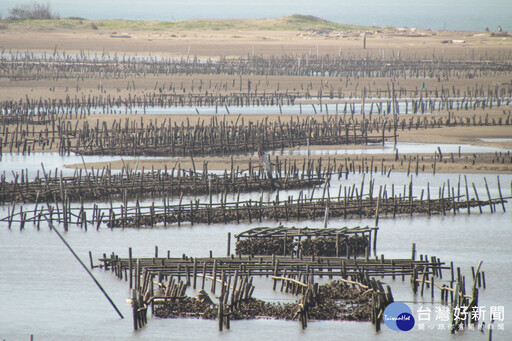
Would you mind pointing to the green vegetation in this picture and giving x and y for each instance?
(292, 23)
(299, 22)
(32, 11)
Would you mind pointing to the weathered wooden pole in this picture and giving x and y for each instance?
(85, 267)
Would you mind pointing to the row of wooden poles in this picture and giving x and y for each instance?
(38, 67)
(85, 184)
(131, 184)
(304, 285)
(218, 137)
(239, 139)
(381, 54)
(306, 242)
(462, 303)
(88, 184)
(351, 204)
(296, 276)
(132, 103)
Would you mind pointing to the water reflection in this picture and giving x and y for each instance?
(15, 162)
(44, 291)
(49, 280)
(389, 148)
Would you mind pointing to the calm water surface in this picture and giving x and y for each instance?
(12, 163)
(45, 292)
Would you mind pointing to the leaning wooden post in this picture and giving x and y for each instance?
(477, 272)
(501, 196)
(467, 194)
(85, 267)
(90, 260)
(491, 206)
(477, 198)
(375, 239)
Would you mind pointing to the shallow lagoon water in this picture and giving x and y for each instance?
(232, 110)
(390, 148)
(48, 294)
(15, 162)
(309, 106)
(45, 292)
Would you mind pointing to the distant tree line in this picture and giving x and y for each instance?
(32, 11)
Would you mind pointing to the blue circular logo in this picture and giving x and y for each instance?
(398, 316)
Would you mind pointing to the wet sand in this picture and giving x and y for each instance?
(384, 42)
